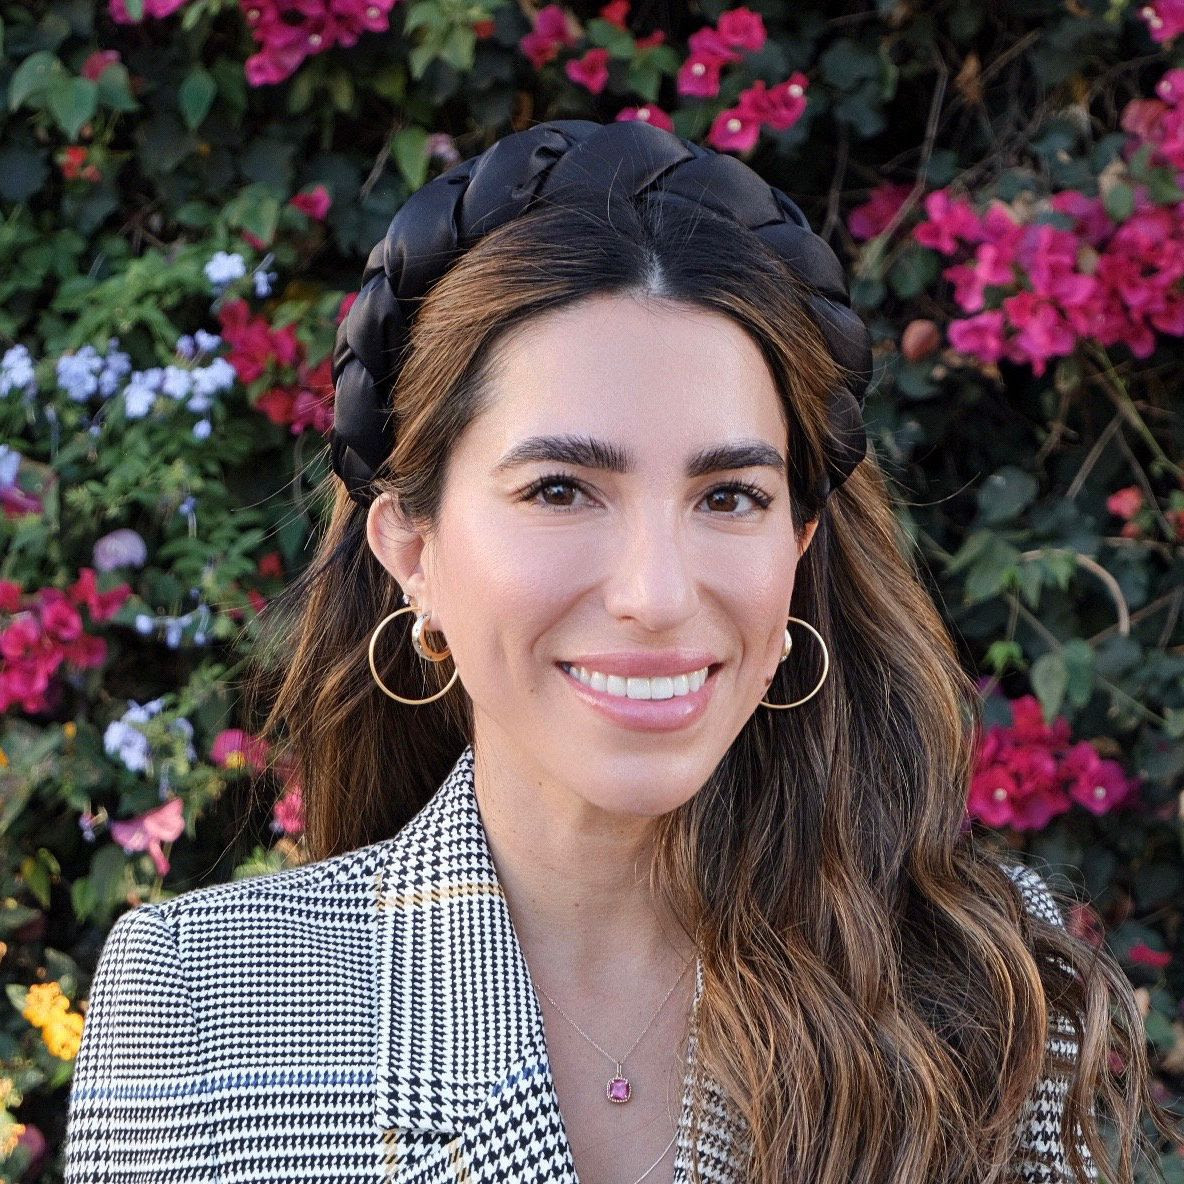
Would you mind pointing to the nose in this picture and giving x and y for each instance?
(652, 577)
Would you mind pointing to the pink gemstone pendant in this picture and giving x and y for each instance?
(619, 1088)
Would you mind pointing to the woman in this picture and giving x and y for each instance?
(640, 856)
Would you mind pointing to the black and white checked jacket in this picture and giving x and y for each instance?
(368, 1017)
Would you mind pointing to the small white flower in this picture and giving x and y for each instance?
(145, 623)
(207, 342)
(224, 268)
(202, 429)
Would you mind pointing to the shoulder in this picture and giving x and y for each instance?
(336, 882)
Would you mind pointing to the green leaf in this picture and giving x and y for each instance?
(1078, 657)
(1002, 655)
(32, 77)
(459, 46)
(605, 35)
(913, 271)
(409, 146)
(645, 79)
(1005, 494)
(1050, 681)
(420, 58)
(135, 9)
(72, 101)
(115, 89)
(195, 97)
(1119, 200)
(427, 15)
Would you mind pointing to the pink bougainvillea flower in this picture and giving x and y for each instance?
(733, 131)
(1027, 774)
(59, 618)
(97, 62)
(10, 596)
(1099, 785)
(101, 606)
(657, 37)
(233, 748)
(288, 813)
(648, 114)
(780, 106)
(698, 77)
(708, 44)
(980, 336)
(1143, 955)
(1126, 502)
(616, 12)
(741, 28)
(1164, 18)
(871, 218)
(148, 831)
(590, 71)
(950, 220)
(552, 31)
(315, 203)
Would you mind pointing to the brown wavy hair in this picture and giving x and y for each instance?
(878, 999)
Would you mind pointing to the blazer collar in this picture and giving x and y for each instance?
(460, 1027)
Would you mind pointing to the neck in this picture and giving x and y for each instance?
(576, 880)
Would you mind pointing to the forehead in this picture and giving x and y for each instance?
(664, 378)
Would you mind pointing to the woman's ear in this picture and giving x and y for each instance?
(397, 544)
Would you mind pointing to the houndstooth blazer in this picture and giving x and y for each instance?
(368, 1017)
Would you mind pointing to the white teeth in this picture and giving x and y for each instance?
(640, 688)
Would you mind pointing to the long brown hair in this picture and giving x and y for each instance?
(878, 1000)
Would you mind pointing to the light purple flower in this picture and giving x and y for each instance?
(202, 429)
(16, 371)
(121, 548)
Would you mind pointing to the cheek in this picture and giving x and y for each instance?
(501, 587)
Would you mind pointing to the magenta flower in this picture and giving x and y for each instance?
(741, 28)
(870, 219)
(552, 30)
(698, 77)
(648, 114)
(980, 336)
(733, 131)
(288, 813)
(315, 203)
(780, 106)
(590, 71)
(148, 831)
(234, 748)
(1165, 19)
(950, 219)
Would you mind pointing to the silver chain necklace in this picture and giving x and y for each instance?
(619, 1089)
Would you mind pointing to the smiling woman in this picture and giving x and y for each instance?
(674, 698)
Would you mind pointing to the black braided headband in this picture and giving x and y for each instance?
(449, 213)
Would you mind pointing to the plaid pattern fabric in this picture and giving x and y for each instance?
(368, 1017)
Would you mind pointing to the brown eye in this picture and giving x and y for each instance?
(552, 487)
(727, 495)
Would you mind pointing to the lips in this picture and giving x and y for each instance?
(663, 714)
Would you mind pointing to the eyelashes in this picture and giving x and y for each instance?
(762, 499)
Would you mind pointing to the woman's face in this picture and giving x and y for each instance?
(593, 517)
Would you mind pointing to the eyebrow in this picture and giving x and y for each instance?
(599, 454)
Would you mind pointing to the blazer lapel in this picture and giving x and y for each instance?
(464, 1089)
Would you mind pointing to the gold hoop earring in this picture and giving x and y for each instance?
(424, 651)
(785, 654)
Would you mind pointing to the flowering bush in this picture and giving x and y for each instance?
(190, 189)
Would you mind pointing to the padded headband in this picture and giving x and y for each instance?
(574, 157)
